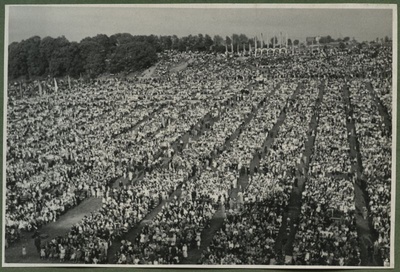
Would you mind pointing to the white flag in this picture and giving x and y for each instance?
(55, 85)
(40, 88)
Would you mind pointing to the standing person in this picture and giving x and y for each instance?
(240, 200)
(223, 211)
(185, 251)
(235, 183)
(37, 241)
(231, 204)
(62, 254)
(130, 175)
(24, 251)
(364, 212)
(198, 239)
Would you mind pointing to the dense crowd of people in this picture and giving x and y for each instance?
(188, 116)
(250, 230)
(376, 153)
(327, 230)
(194, 128)
(383, 89)
(186, 217)
(78, 161)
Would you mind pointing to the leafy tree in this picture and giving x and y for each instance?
(326, 39)
(235, 39)
(183, 44)
(74, 60)
(93, 57)
(103, 40)
(323, 40)
(151, 39)
(191, 42)
(175, 42)
(17, 60)
(228, 41)
(36, 64)
(199, 45)
(208, 42)
(219, 44)
(47, 46)
(166, 42)
(58, 60)
(243, 39)
(132, 57)
(121, 38)
(218, 40)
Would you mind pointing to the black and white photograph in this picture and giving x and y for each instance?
(199, 135)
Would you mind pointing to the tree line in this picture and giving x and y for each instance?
(38, 57)
(92, 56)
(56, 57)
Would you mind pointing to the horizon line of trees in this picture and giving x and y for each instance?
(119, 53)
(92, 56)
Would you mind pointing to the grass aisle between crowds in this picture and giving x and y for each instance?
(216, 222)
(285, 239)
(203, 125)
(382, 109)
(255, 162)
(137, 124)
(148, 73)
(133, 233)
(207, 121)
(64, 223)
(218, 218)
(267, 144)
(364, 225)
(75, 215)
(14, 253)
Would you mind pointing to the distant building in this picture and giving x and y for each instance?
(310, 40)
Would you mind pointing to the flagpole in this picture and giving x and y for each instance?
(273, 41)
(55, 85)
(232, 45)
(255, 46)
(262, 41)
(40, 89)
(286, 40)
